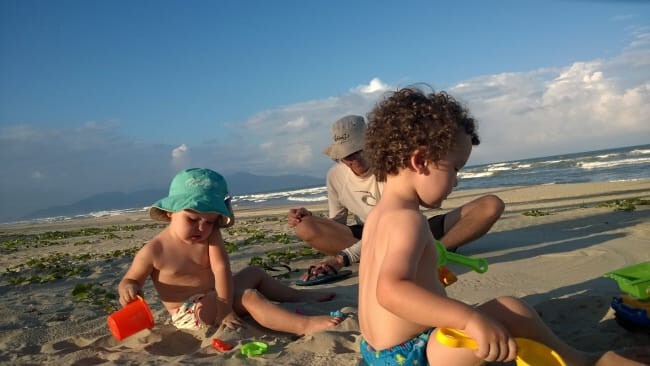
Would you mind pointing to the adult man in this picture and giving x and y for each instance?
(351, 188)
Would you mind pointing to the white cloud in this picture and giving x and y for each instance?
(584, 106)
(624, 17)
(375, 85)
(181, 158)
(295, 147)
(298, 123)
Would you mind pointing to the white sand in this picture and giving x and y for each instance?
(554, 262)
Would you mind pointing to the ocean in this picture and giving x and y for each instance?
(626, 163)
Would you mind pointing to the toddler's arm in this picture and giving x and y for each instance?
(134, 279)
(223, 279)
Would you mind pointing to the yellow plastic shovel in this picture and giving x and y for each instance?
(530, 353)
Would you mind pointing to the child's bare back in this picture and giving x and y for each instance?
(387, 233)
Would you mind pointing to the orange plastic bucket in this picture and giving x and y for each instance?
(132, 318)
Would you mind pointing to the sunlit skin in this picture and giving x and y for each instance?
(462, 225)
(400, 295)
(188, 258)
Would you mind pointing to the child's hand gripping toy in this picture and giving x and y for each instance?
(446, 276)
(132, 318)
(530, 353)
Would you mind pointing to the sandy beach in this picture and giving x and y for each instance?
(551, 248)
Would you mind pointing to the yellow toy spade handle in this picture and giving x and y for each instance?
(530, 353)
(455, 338)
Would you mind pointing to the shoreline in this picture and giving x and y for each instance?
(554, 257)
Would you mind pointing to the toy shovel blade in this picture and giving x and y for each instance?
(479, 265)
(530, 353)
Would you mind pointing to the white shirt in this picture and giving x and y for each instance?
(347, 192)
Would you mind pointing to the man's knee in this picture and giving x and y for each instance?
(492, 206)
(306, 230)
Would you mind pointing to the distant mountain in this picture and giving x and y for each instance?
(238, 183)
(244, 183)
(101, 202)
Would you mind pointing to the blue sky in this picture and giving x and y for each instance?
(102, 96)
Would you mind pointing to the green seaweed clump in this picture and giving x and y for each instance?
(95, 294)
(626, 205)
(536, 213)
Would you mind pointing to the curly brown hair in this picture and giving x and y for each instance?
(409, 119)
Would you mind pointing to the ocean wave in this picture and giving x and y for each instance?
(308, 199)
(468, 175)
(263, 197)
(606, 156)
(612, 163)
(640, 152)
(106, 213)
(500, 168)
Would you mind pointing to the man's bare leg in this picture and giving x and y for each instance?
(471, 221)
(324, 235)
(256, 278)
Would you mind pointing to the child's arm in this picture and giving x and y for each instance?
(134, 279)
(399, 292)
(223, 280)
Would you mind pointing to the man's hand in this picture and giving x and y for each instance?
(322, 267)
(296, 214)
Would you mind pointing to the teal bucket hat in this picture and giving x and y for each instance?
(196, 189)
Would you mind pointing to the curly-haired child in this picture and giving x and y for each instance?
(417, 143)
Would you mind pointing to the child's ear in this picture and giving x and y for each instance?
(419, 162)
(169, 214)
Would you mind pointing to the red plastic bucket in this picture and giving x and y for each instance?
(132, 318)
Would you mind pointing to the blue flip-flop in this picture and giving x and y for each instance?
(331, 275)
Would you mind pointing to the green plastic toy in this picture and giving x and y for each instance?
(479, 265)
(252, 349)
(633, 280)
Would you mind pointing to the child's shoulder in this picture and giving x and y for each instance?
(388, 215)
(153, 247)
(394, 221)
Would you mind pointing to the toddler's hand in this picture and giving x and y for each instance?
(232, 321)
(494, 342)
(128, 292)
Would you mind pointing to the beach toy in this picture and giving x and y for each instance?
(530, 353)
(633, 280)
(220, 345)
(446, 276)
(254, 349)
(479, 265)
(132, 318)
(631, 314)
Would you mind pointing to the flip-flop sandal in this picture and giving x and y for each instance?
(277, 268)
(331, 275)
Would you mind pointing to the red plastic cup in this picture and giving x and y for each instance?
(220, 345)
(132, 318)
